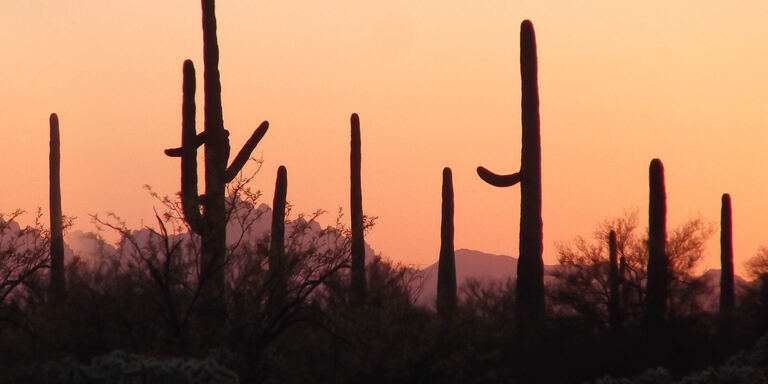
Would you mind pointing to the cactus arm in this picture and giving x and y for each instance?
(245, 153)
(179, 151)
(498, 180)
(189, 143)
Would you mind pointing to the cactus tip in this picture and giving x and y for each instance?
(656, 166)
(447, 172)
(54, 119)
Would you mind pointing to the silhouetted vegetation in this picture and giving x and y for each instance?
(214, 293)
(356, 206)
(727, 295)
(211, 223)
(530, 268)
(57, 284)
(658, 261)
(446, 270)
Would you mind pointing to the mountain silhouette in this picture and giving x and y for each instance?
(89, 246)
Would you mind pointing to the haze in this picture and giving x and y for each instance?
(436, 83)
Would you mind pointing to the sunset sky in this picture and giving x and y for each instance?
(436, 83)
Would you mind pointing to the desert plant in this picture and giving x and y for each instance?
(614, 281)
(57, 286)
(277, 262)
(121, 367)
(356, 206)
(446, 270)
(530, 267)
(582, 282)
(658, 262)
(211, 223)
(727, 296)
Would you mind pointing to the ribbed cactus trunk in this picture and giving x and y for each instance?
(57, 288)
(657, 286)
(529, 292)
(216, 151)
(211, 223)
(277, 262)
(614, 281)
(446, 268)
(625, 289)
(357, 292)
(727, 297)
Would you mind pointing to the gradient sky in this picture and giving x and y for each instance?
(436, 83)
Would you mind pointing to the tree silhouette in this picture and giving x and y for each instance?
(582, 282)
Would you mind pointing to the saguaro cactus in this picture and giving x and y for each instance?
(211, 223)
(356, 206)
(530, 268)
(57, 283)
(276, 260)
(658, 262)
(726, 262)
(614, 280)
(446, 268)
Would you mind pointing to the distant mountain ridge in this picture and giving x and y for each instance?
(469, 264)
(487, 267)
(88, 246)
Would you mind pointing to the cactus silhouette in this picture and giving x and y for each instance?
(446, 268)
(614, 280)
(211, 223)
(356, 205)
(658, 262)
(277, 262)
(726, 262)
(58, 283)
(530, 268)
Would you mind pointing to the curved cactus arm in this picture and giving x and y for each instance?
(498, 180)
(179, 151)
(245, 153)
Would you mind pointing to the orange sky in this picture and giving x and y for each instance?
(436, 83)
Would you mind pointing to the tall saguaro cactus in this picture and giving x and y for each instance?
(530, 267)
(658, 263)
(356, 206)
(446, 267)
(57, 283)
(614, 280)
(211, 223)
(726, 261)
(277, 262)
